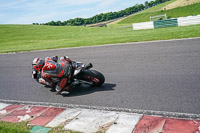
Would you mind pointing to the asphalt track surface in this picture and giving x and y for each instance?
(157, 76)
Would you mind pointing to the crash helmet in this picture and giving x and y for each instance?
(38, 64)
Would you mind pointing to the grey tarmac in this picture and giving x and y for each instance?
(156, 76)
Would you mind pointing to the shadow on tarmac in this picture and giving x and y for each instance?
(84, 90)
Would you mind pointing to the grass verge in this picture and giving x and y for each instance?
(6, 127)
(18, 38)
(22, 127)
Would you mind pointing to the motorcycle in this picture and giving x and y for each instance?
(82, 74)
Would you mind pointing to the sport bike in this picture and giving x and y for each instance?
(81, 74)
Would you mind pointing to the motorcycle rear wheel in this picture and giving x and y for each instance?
(93, 76)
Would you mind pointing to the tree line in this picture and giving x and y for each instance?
(104, 16)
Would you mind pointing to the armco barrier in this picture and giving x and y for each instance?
(182, 21)
(190, 20)
(165, 23)
(144, 25)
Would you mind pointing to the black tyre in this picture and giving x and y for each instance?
(92, 76)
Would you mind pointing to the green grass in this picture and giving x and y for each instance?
(22, 127)
(17, 38)
(189, 10)
(157, 7)
(152, 9)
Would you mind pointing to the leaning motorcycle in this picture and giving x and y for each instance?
(82, 74)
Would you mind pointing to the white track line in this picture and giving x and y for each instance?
(3, 105)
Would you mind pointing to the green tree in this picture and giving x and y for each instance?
(105, 16)
(146, 4)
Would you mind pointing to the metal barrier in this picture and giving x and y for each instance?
(190, 20)
(165, 23)
(182, 21)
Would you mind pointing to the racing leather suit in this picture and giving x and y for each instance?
(53, 69)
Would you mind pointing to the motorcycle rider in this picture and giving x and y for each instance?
(50, 68)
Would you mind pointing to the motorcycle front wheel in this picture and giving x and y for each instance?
(93, 76)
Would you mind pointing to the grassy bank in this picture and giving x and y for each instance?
(16, 38)
(189, 10)
(158, 7)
